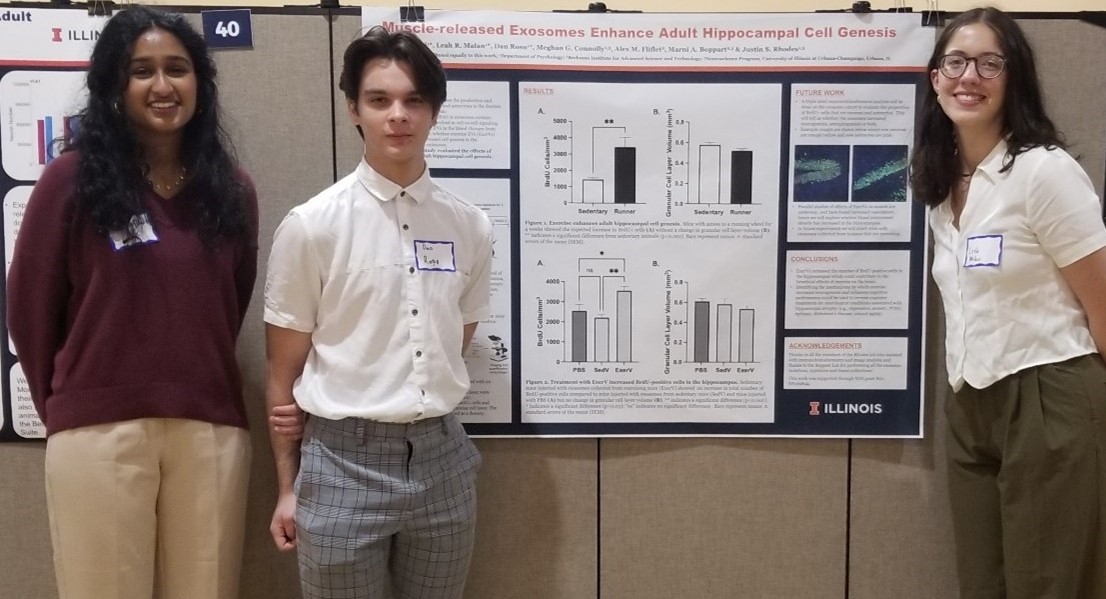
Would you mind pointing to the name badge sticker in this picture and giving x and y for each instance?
(143, 233)
(435, 255)
(983, 250)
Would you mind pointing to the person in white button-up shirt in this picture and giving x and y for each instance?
(1020, 262)
(374, 289)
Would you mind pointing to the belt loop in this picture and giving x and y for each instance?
(360, 431)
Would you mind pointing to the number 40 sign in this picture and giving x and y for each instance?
(227, 28)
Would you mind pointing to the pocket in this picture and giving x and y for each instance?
(1072, 392)
(1093, 373)
(469, 460)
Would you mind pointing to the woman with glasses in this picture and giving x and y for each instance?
(1020, 261)
(131, 274)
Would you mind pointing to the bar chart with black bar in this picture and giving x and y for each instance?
(613, 168)
(708, 177)
(624, 189)
(708, 172)
(677, 145)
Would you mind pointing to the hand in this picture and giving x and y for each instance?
(283, 526)
(287, 421)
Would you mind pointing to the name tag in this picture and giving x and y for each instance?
(435, 255)
(143, 233)
(983, 250)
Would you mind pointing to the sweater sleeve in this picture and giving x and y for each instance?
(245, 275)
(38, 287)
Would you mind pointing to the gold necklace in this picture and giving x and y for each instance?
(168, 187)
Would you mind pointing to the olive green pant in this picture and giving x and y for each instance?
(1027, 477)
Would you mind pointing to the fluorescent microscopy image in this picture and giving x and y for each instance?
(821, 174)
(879, 173)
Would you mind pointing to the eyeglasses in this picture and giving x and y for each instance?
(988, 65)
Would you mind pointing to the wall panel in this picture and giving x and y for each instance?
(536, 529)
(650, 518)
(26, 560)
(722, 518)
(350, 148)
(1073, 74)
(900, 528)
(275, 98)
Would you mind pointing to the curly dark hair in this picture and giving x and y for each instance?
(934, 167)
(112, 172)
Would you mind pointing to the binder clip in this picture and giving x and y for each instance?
(412, 13)
(100, 8)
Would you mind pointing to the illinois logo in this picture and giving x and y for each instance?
(818, 408)
(60, 34)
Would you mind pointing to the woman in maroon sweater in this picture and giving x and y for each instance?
(131, 275)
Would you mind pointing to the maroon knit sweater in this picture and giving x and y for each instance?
(147, 331)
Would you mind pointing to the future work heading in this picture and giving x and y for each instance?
(703, 33)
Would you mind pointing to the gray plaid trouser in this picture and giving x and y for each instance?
(384, 505)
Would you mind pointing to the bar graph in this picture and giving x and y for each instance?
(703, 170)
(37, 108)
(612, 177)
(600, 343)
(636, 149)
(602, 296)
(711, 173)
(715, 344)
(48, 137)
(709, 331)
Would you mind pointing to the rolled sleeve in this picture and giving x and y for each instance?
(1063, 210)
(293, 283)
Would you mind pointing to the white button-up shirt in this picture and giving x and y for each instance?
(1007, 306)
(384, 278)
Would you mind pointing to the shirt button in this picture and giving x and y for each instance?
(411, 270)
(415, 312)
(405, 227)
(403, 194)
(423, 391)
(418, 354)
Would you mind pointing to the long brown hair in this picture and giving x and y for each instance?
(934, 167)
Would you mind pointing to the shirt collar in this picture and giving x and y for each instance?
(385, 190)
(989, 166)
(993, 163)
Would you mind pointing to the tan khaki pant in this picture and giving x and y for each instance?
(129, 500)
(1027, 482)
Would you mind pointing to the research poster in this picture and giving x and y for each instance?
(702, 221)
(43, 54)
(710, 226)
